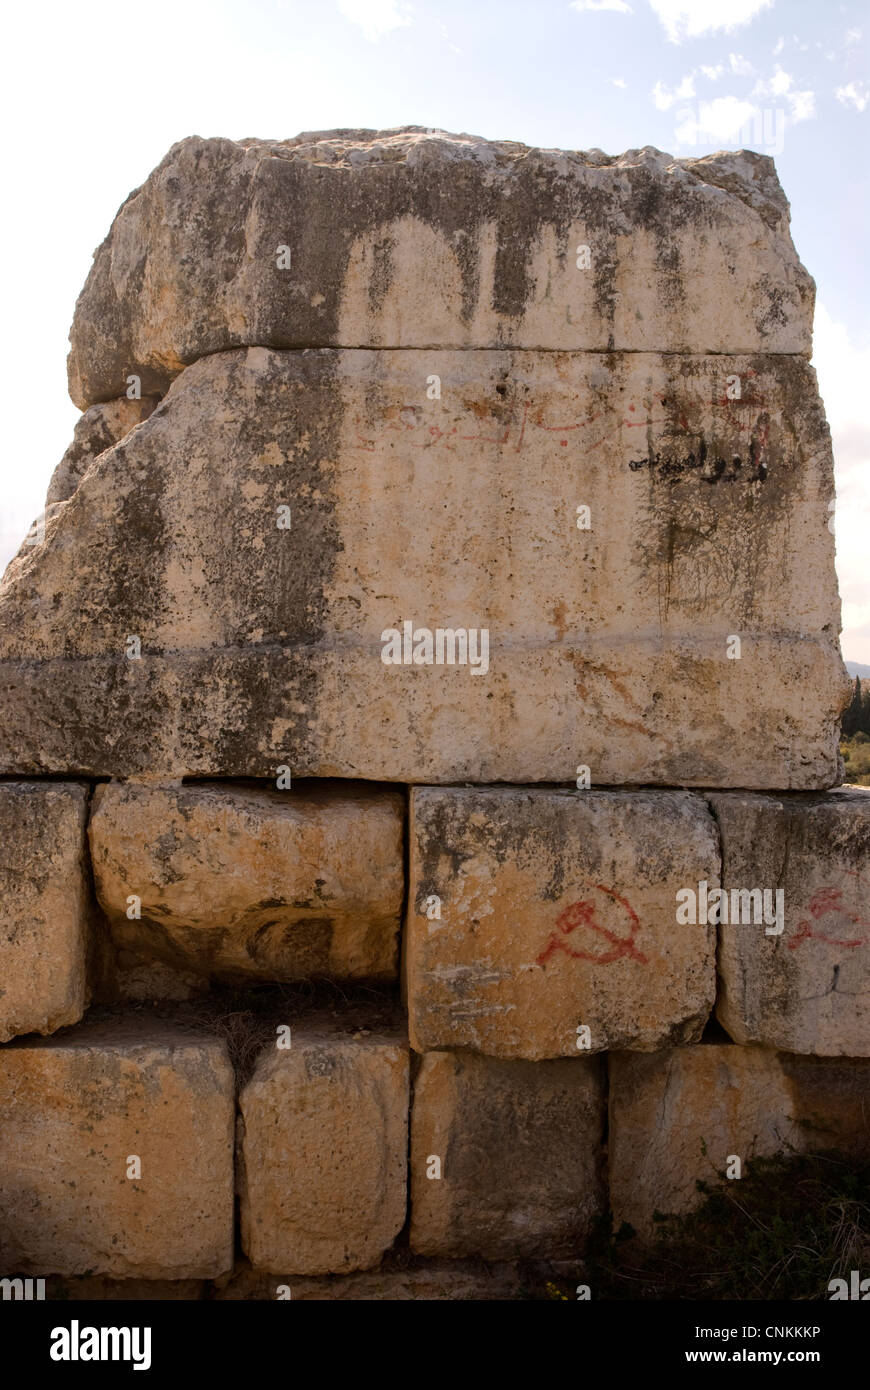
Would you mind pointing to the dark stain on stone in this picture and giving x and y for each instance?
(381, 276)
(292, 950)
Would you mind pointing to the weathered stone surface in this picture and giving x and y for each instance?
(323, 1151)
(520, 1150)
(245, 883)
(73, 1110)
(805, 988)
(414, 239)
(413, 1280)
(263, 646)
(97, 430)
(96, 1289)
(44, 906)
(676, 1117)
(558, 910)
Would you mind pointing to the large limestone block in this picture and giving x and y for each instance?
(506, 1157)
(678, 1117)
(244, 883)
(557, 912)
(414, 239)
(323, 1147)
(262, 644)
(44, 906)
(97, 430)
(75, 1111)
(803, 985)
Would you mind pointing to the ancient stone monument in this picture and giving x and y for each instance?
(420, 707)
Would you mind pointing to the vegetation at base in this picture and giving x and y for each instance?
(784, 1230)
(856, 756)
(855, 736)
(856, 719)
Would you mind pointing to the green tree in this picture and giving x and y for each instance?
(853, 717)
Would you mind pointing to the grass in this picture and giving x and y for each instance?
(856, 756)
(783, 1231)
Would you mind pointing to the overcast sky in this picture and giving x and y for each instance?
(95, 92)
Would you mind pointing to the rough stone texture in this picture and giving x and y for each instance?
(262, 646)
(97, 430)
(410, 238)
(558, 909)
(676, 1117)
(44, 906)
(808, 989)
(323, 1142)
(520, 1145)
(413, 1280)
(99, 1290)
(246, 883)
(72, 1111)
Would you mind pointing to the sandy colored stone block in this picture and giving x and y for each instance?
(44, 906)
(678, 1116)
(98, 429)
(804, 985)
(323, 1142)
(520, 1146)
(409, 238)
(242, 883)
(262, 645)
(557, 911)
(74, 1110)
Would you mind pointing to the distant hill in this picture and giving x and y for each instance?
(856, 669)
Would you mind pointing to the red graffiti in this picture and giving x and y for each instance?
(582, 914)
(828, 902)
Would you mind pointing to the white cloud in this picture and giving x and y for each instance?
(619, 82)
(715, 120)
(780, 45)
(856, 94)
(843, 372)
(854, 36)
(687, 19)
(617, 6)
(376, 17)
(664, 99)
(713, 73)
(780, 82)
(801, 104)
(740, 65)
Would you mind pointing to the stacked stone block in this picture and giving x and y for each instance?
(437, 598)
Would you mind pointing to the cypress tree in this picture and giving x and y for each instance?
(855, 713)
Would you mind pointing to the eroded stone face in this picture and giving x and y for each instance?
(243, 884)
(74, 1111)
(260, 632)
(805, 985)
(97, 430)
(533, 914)
(414, 239)
(323, 1151)
(44, 906)
(505, 1156)
(678, 1117)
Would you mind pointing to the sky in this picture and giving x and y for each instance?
(94, 93)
